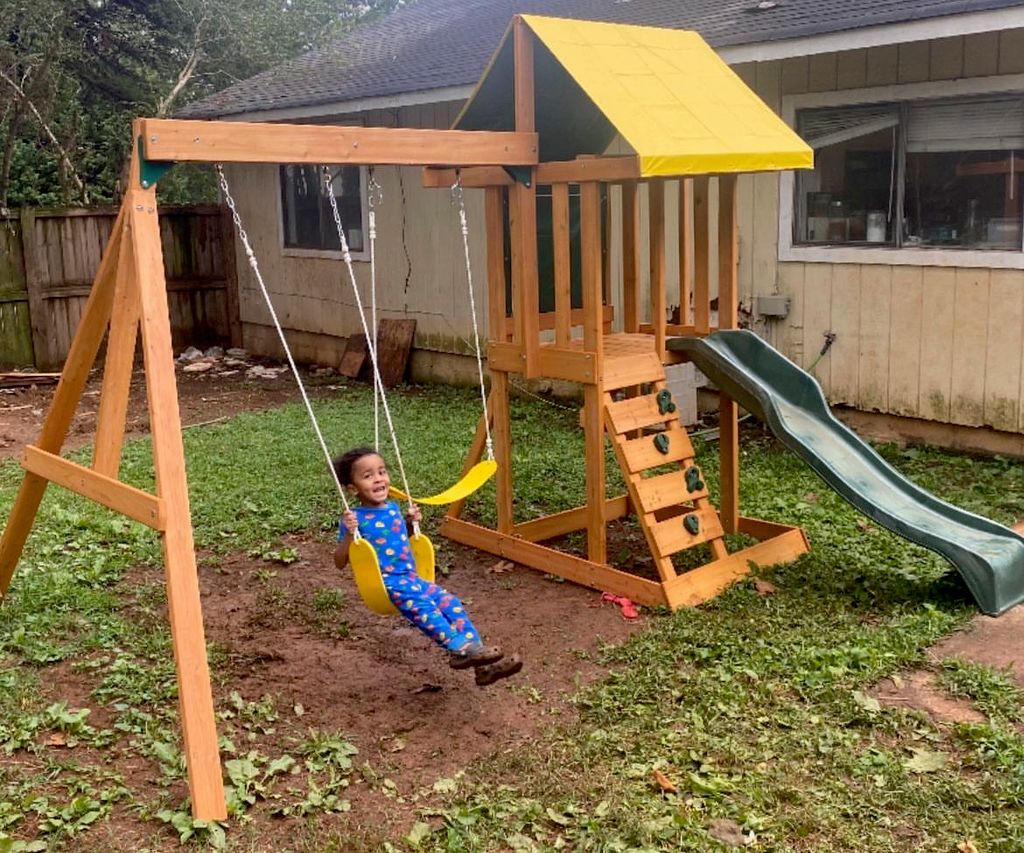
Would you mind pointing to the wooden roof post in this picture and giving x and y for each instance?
(523, 210)
(593, 344)
(630, 257)
(728, 420)
(659, 308)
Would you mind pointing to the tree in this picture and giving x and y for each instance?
(74, 73)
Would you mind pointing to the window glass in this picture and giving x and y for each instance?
(936, 174)
(849, 197)
(306, 208)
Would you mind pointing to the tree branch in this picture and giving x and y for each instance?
(42, 123)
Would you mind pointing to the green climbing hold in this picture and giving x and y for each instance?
(692, 524)
(665, 404)
(661, 442)
(693, 481)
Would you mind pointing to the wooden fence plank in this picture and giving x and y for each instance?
(54, 255)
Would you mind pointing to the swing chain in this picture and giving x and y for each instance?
(236, 218)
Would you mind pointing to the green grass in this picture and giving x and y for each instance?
(755, 707)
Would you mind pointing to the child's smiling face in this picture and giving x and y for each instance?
(370, 480)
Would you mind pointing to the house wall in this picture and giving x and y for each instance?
(939, 343)
(420, 261)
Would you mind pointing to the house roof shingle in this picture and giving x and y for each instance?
(434, 44)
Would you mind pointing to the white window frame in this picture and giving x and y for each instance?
(905, 256)
(328, 254)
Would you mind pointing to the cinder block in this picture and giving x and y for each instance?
(683, 380)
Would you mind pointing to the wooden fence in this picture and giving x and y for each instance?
(48, 259)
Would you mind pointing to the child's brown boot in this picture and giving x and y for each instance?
(474, 656)
(496, 671)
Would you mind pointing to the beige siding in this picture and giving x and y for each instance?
(936, 343)
(421, 272)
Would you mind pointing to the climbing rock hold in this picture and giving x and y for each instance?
(693, 481)
(661, 443)
(665, 404)
(692, 524)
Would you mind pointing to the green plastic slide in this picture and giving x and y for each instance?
(990, 557)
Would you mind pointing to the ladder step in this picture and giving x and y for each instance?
(665, 490)
(646, 452)
(633, 369)
(638, 412)
(672, 535)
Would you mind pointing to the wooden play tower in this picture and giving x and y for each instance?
(626, 74)
(723, 130)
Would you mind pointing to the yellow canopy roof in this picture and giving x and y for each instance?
(681, 108)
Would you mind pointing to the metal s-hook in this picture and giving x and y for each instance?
(374, 191)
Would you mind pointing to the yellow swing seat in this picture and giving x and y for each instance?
(366, 571)
(474, 478)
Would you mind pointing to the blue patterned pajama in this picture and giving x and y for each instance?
(431, 608)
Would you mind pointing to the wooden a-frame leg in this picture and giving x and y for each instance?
(195, 698)
(117, 371)
(80, 359)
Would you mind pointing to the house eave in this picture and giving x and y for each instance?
(877, 36)
(356, 105)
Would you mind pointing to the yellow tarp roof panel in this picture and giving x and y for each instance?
(674, 101)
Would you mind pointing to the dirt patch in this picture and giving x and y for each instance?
(921, 691)
(379, 680)
(202, 398)
(995, 641)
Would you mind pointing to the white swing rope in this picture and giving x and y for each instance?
(378, 383)
(374, 196)
(457, 197)
(280, 333)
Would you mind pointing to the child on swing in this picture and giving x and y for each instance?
(433, 610)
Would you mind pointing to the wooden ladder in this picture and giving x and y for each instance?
(672, 506)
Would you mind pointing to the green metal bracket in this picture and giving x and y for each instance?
(693, 481)
(665, 404)
(661, 443)
(150, 171)
(520, 174)
(692, 524)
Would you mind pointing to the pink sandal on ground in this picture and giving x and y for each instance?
(629, 610)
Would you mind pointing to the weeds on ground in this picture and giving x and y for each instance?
(750, 716)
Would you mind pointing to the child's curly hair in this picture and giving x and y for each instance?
(343, 464)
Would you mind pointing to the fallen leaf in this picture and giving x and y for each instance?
(728, 832)
(864, 527)
(925, 761)
(298, 709)
(664, 783)
(764, 587)
(811, 498)
(967, 847)
(427, 687)
(57, 739)
(868, 703)
(502, 566)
